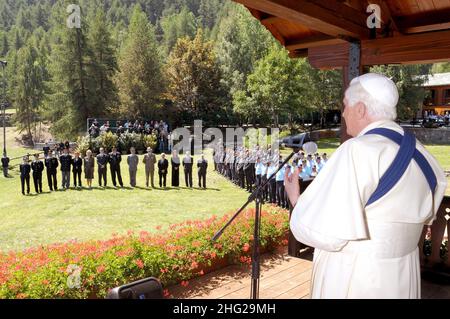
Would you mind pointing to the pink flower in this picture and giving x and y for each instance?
(139, 263)
(246, 248)
(194, 265)
(101, 269)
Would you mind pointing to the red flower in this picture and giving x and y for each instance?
(194, 265)
(139, 263)
(213, 255)
(166, 293)
(185, 283)
(101, 269)
(284, 242)
(246, 248)
(196, 244)
(164, 270)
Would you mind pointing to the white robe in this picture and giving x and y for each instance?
(366, 252)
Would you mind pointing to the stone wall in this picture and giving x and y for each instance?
(432, 136)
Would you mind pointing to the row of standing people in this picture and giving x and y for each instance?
(76, 165)
(250, 168)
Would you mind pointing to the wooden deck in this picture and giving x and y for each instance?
(282, 277)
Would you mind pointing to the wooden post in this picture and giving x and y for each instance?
(350, 72)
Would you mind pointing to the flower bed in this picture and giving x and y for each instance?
(174, 255)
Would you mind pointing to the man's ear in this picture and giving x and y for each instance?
(361, 110)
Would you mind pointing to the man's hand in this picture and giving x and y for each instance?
(292, 186)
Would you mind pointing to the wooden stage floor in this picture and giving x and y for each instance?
(282, 277)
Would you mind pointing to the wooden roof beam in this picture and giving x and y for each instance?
(330, 17)
(425, 22)
(312, 41)
(409, 49)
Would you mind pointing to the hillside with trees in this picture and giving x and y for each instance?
(176, 60)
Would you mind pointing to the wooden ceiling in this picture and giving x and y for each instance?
(412, 31)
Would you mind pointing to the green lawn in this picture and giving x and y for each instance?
(86, 214)
(28, 221)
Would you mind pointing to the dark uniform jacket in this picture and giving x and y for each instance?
(46, 150)
(37, 167)
(25, 169)
(66, 162)
(77, 164)
(102, 160)
(187, 164)
(51, 164)
(202, 166)
(163, 165)
(5, 161)
(114, 160)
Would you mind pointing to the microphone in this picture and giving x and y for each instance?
(300, 142)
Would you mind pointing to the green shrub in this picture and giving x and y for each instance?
(107, 141)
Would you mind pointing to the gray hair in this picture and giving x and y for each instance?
(356, 93)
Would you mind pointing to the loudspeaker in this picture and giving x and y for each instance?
(149, 288)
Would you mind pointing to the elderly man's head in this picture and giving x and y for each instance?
(370, 98)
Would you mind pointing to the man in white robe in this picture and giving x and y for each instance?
(366, 252)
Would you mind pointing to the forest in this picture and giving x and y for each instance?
(175, 60)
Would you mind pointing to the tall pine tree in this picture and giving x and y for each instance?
(140, 81)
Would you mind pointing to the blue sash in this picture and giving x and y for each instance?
(406, 153)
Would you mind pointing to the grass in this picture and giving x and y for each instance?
(28, 221)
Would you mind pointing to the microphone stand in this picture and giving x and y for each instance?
(257, 197)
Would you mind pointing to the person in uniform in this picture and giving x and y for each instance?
(365, 212)
(5, 165)
(187, 165)
(149, 162)
(240, 170)
(102, 163)
(46, 149)
(175, 163)
(163, 165)
(202, 166)
(271, 169)
(77, 168)
(89, 165)
(66, 161)
(279, 178)
(258, 171)
(133, 162)
(37, 167)
(248, 172)
(115, 158)
(25, 170)
(51, 163)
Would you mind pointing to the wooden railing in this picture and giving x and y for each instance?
(431, 256)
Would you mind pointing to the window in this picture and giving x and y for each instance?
(447, 96)
(430, 97)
